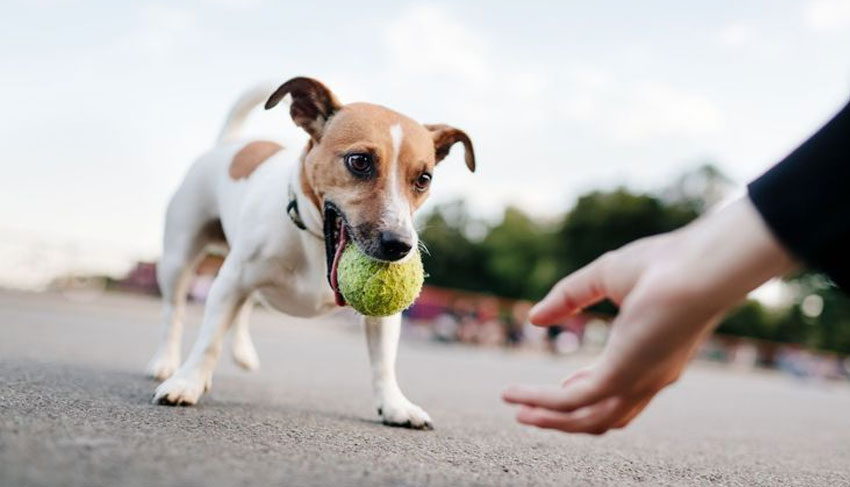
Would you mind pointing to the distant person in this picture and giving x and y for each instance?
(514, 323)
(446, 327)
(673, 288)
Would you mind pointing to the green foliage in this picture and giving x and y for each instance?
(830, 330)
(518, 256)
(750, 319)
(522, 258)
(792, 327)
(833, 330)
(606, 221)
(452, 259)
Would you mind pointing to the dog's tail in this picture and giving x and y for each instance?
(242, 108)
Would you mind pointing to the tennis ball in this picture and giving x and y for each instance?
(376, 288)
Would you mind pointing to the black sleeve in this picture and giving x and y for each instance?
(805, 200)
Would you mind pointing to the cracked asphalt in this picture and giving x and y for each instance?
(75, 411)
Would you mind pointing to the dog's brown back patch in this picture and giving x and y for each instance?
(251, 156)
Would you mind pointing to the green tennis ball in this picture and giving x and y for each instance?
(376, 288)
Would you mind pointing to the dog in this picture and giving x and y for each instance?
(283, 217)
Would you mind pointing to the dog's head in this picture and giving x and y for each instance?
(367, 168)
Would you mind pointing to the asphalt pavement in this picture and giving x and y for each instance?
(75, 411)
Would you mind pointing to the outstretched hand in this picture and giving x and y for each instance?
(671, 289)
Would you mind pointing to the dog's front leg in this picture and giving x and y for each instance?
(382, 335)
(194, 377)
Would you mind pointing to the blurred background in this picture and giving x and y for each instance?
(595, 123)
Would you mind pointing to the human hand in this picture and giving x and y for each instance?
(672, 289)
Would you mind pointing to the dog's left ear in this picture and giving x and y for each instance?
(313, 104)
(445, 137)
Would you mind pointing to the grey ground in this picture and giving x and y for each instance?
(74, 410)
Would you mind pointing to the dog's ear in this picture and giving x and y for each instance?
(313, 104)
(445, 137)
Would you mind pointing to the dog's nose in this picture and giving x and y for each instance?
(395, 246)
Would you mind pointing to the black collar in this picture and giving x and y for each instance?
(295, 215)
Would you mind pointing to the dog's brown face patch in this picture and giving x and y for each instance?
(250, 157)
(365, 128)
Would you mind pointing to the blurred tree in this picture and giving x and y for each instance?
(522, 258)
(452, 259)
(830, 320)
(603, 221)
(793, 327)
(519, 256)
(826, 327)
(833, 330)
(750, 319)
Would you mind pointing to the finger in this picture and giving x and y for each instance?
(577, 394)
(572, 293)
(595, 419)
(578, 374)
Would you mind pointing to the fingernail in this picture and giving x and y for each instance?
(524, 413)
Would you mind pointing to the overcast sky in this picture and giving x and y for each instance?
(105, 104)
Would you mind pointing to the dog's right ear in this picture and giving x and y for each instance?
(313, 104)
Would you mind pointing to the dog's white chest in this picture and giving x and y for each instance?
(296, 299)
(295, 284)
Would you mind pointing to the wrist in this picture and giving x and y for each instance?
(734, 250)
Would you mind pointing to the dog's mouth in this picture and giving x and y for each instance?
(336, 238)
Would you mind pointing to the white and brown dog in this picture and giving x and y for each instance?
(364, 172)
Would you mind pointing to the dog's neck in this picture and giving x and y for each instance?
(308, 204)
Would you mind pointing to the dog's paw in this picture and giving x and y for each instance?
(404, 414)
(163, 365)
(181, 390)
(244, 353)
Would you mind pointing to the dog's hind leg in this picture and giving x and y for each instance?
(242, 346)
(227, 296)
(174, 275)
(187, 235)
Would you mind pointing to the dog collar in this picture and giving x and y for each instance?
(295, 215)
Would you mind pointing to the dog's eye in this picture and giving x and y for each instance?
(423, 181)
(359, 164)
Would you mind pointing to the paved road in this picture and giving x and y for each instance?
(74, 411)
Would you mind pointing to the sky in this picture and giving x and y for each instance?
(106, 104)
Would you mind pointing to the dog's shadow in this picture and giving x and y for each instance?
(288, 410)
(75, 382)
(258, 406)
(96, 389)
